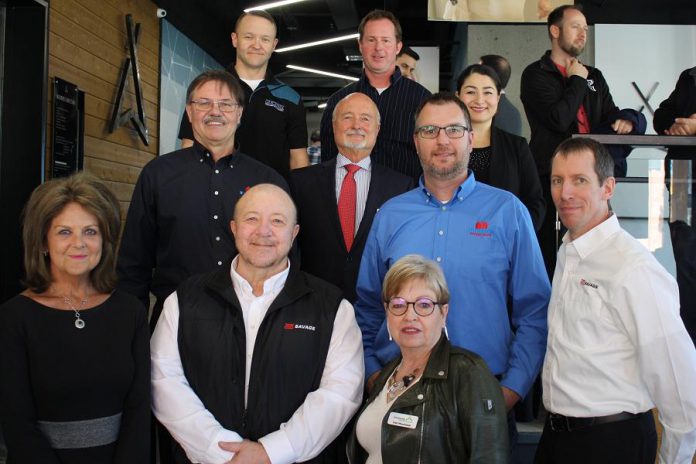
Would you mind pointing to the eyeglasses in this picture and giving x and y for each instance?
(203, 104)
(422, 306)
(454, 131)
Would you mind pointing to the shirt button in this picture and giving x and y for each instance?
(444, 208)
(441, 232)
(217, 172)
(420, 396)
(215, 216)
(219, 263)
(217, 239)
(441, 373)
(248, 356)
(215, 192)
(438, 259)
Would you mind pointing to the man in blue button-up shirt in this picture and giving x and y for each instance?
(484, 240)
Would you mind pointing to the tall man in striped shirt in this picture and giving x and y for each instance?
(395, 96)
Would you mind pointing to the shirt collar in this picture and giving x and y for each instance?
(396, 76)
(204, 155)
(594, 238)
(273, 284)
(464, 190)
(365, 163)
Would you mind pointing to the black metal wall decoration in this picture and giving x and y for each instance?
(645, 98)
(68, 128)
(132, 67)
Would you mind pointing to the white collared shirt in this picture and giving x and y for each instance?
(312, 427)
(616, 341)
(254, 309)
(362, 182)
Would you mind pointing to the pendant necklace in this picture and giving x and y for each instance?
(79, 323)
(397, 387)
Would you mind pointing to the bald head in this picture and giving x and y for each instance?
(276, 196)
(359, 99)
(356, 123)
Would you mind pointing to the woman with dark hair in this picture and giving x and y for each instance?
(435, 402)
(498, 158)
(74, 353)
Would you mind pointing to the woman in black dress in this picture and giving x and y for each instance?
(498, 158)
(74, 353)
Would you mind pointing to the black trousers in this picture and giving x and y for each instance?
(631, 441)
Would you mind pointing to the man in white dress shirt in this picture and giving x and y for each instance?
(258, 361)
(616, 345)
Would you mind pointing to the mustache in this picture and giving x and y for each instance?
(214, 118)
(356, 132)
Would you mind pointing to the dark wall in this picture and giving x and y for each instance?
(22, 136)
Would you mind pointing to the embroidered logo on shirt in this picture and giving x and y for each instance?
(293, 326)
(590, 85)
(481, 229)
(275, 105)
(588, 284)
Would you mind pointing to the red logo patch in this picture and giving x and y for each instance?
(481, 225)
(289, 326)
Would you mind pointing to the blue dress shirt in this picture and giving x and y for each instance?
(484, 241)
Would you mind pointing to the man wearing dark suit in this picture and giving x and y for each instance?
(333, 229)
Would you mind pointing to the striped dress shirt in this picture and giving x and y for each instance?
(362, 183)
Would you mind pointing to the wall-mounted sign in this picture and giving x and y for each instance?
(132, 67)
(68, 128)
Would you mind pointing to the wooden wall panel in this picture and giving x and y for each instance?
(87, 46)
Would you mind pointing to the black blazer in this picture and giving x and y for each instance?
(512, 168)
(322, 249)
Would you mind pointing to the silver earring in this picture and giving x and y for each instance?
(446, 334)
(45, 253)
(389, 333)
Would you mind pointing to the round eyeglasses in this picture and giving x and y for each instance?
(203, 104)
(422, 306)
(454, 131)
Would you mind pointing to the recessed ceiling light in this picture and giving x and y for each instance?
(321, 105)
(323, 73)
(318, 42)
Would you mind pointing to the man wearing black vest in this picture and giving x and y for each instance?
(257, 361)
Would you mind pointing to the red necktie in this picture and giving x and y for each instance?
(346, 205)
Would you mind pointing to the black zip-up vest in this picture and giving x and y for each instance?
(288, 359)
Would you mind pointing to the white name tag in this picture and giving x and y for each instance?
(402, 420)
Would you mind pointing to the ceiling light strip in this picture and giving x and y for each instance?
(323, 73)
(268, 6)
(318, 42)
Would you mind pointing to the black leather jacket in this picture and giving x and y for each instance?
(460, 409)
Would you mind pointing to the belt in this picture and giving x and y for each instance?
(561, 423)
(82, 434)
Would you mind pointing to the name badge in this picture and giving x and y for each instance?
(402, 420)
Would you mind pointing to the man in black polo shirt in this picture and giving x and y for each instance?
(395, 96)
(177, 223)
(274, 127)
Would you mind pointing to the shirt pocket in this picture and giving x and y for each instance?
(585, 320)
